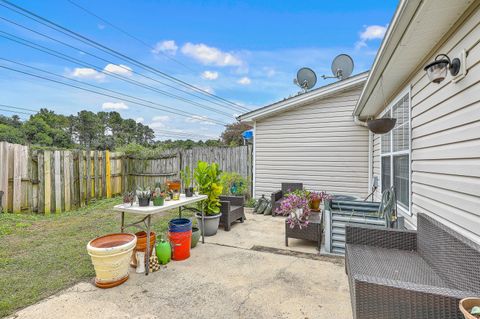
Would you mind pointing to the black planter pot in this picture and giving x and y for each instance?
(143, 202)
(381, 126)
(189, 192)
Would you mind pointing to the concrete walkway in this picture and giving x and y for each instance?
(224, 278)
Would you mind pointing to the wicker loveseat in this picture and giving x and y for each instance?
(277, 196)
(232, 210)
(407, 274)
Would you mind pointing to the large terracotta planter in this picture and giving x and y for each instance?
(142, 245)
(110, 257)
(467, 304)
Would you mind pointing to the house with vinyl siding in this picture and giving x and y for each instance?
(431, 157)
(311, 138)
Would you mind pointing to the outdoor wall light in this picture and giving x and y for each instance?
(437, 70)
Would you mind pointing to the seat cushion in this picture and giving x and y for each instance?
(384, 266)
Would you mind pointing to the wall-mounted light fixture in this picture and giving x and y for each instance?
(437, 70)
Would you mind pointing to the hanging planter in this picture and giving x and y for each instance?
(381, 126)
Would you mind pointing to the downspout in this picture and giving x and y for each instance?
(359, 122)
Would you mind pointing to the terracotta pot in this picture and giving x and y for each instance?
(315, 204)
(466, 305)
(110, 256)
(142, 245)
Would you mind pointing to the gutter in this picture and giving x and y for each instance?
(359, 122)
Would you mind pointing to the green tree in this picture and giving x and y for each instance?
(232, 136)
(11, 134)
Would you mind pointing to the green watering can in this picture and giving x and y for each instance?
(164, 252)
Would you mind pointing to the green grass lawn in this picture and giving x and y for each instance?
(41, 255)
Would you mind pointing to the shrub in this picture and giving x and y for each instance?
(207, 178)
(233, 184)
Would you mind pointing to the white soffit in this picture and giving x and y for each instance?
(405, 46)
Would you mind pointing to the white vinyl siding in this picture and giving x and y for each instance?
(445, 143)
(317, 144)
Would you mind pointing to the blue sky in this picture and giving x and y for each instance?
(247, 52)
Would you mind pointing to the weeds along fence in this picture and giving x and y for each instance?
(46, 181)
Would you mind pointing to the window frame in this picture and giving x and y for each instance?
(391, 153)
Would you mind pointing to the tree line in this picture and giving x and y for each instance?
(101, 131)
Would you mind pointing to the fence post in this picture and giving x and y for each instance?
(108, 182)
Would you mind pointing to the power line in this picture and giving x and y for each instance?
(19, 112)
(110, 51)
(186, 134)
(161, 108)
(19, 108)
(100, 69)
(129, 35)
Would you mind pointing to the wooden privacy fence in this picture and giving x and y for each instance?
(46, 181)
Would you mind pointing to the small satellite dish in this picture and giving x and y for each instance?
(342, 67)
(306, 79)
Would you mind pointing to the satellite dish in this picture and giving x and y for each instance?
(342, 67)
(306, 79)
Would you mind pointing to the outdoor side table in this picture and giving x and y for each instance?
(148, 211)
(313, 231)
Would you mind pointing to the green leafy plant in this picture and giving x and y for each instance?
(186, 176)
(143, 193)
(251, 203)
(233, 184)
(207, 178)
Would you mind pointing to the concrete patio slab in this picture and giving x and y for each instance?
(261, 230)
(218, 281)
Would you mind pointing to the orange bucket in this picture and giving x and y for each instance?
(181, 243)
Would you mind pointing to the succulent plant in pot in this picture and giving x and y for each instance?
(144, 195)
(208, 183)
(186, 176)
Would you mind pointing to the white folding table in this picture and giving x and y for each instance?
(148, 211)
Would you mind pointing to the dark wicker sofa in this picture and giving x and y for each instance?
(407, 274)
(232, 210)
(278, 195)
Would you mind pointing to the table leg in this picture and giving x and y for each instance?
(203, 223)
(180, 212)
(147, 250)
(122, 228)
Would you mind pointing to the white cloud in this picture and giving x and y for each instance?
(139, 119)
(269, 72)
(208, 89)
(114, 106)
(210, 55)
(155, 125)
(161, 118)
(244, 81)
(167, 46)
(371, 32)
(202, 119)
(210, 75)
(87, 73)
(118, 69)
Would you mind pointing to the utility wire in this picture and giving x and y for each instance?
(20, 112)
(161, 108)
(19, 108)
(100, 69)
(108, 50)
(181, 133)
(129, 35)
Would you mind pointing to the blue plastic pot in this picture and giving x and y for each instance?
(179, 225)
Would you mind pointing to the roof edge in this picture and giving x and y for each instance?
(401, 20)
(319, 93)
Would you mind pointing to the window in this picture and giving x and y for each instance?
(395, 152)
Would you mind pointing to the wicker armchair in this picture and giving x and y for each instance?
(278, 195)
(406, 274)
(232, 210)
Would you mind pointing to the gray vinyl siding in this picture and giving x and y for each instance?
(445, 121)
(317, 144)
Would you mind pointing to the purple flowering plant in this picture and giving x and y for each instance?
(319, 195)
(295, 206)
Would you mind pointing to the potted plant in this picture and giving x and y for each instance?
(470, 308)
(315, 199)
(158, 196)
(296, 207)
(208, 183)
(128, 197)
(186, 176)
(143, 196)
